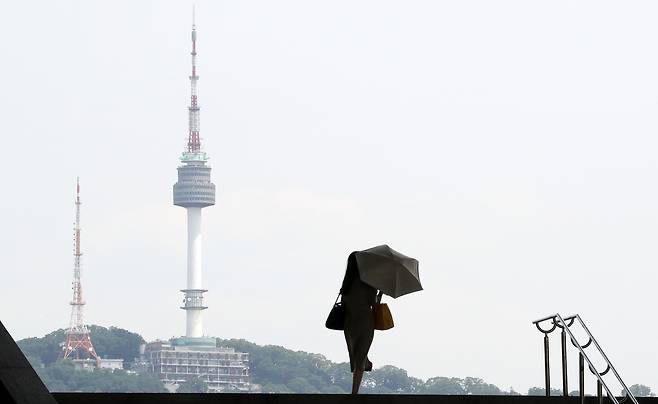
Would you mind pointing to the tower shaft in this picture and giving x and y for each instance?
(194, 291)
(194, 280)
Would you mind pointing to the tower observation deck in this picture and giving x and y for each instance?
(194, 191)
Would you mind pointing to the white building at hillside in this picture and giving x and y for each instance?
(183, 359)
(101, 363)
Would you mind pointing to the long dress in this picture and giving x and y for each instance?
(358, 299)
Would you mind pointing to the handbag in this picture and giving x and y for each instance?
(336, 318)
(383, 317)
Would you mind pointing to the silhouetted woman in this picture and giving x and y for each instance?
(358, 299)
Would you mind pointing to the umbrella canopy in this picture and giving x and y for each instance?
(385, 269)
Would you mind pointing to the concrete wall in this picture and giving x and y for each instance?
(109, 398)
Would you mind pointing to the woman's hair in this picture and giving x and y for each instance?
(351, 272)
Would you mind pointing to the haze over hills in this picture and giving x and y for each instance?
(274, 368)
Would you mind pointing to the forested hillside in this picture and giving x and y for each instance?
(281, 370)
(61, 376)
(112, 342)
(274, 368)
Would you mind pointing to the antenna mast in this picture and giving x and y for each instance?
(194, 141)
(78, 340)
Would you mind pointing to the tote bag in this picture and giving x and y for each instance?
(383, 317)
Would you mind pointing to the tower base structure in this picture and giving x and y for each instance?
(193, 306)
(78, 346)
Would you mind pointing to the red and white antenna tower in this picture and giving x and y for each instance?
(78, 340)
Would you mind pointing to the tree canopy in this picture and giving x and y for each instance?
(112, 342)
(195, 385)
(640, 390)
(280, 370)
(274, 368)
(62, 376)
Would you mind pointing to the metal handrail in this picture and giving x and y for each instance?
(610, 366)
(592, 368)
(559, 322)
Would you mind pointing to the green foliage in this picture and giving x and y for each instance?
(280, 370)
(274, 368)
(540, 391)
(35, 362)
(46, 348)
(443, 385)
(116, 342)
(477, 386)
(194, 385)
(390, 380)
(640, 390)
(110, 342)
(512, 392)
(113, 342)
(468, 385)
(275, 388)
(62, 376)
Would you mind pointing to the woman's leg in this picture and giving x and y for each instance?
(356, 380)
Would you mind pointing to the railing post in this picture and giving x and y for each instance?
(547, 366)
(581, 377)
(599, 391)
(565, 381)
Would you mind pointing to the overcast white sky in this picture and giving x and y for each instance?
(510, 146)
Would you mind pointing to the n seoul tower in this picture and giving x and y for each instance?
(194, 191)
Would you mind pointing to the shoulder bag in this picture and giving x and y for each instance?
(336, 318)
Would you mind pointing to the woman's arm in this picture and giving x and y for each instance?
(351, 273)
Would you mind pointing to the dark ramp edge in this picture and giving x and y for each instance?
(139, 398)
(20, 384)
(5, 397)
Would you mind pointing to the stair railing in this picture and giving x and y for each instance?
(556, 321)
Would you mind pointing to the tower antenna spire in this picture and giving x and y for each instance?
(193, 141)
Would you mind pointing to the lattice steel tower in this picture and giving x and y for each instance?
(78, 341)
(194, 191)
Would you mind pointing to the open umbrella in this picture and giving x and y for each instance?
(385, 269)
